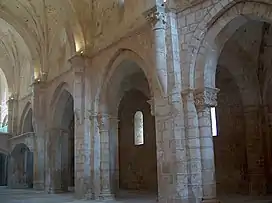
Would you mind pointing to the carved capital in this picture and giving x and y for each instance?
(12, 98)
(92, 115)
(206, 97)
(78, 63)
(151, 102)
(38, 85)
(187, 95)
(156, 16)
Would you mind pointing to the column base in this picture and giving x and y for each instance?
(38, 186)
(106, 195)
(55, 191)
(210, 201)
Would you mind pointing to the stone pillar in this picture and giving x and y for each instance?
(104, 124)
(171, 152)
(255, 152)
(193, 147)
(156, 16)
(55, 173)
(12, 114)
(39, 124)
(204, 100)
(79, 65)
(53, 161)
(94, 156)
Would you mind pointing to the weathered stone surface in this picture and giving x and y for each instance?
(68, 66)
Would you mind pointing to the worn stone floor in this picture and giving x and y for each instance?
(31, 196)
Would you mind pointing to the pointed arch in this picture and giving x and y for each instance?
(26, 125)
(125, 58)
(62, 98)
(213, 32)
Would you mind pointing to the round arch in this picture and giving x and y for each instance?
(208, 39)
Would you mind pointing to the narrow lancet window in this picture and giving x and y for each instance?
(214, 122)
(138, 128)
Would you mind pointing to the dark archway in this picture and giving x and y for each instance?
(230, 142)
(68, 146)
(63, 140)
(137, 155)
(127, 72)
(3, 169)
(242, 161)
(21, 167)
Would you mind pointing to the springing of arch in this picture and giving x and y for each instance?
(63, 86)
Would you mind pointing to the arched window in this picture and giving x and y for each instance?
(138, 128)
(214, 122)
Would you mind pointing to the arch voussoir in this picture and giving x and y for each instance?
(208, 45)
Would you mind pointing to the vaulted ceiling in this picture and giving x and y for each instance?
(41, 34)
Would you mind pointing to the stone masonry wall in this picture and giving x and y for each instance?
(138, 164)
(229, 145)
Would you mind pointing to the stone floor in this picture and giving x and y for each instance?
(31, 196)
(242, 199)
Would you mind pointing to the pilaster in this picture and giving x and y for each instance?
(171, 152)
(79, 64)
(54, 160)
(39, 124)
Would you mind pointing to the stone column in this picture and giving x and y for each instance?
(56, 180)
(255, 152)
(104, 124)
(94, 156)
(53, 161)
(204, 100)
(156, 16)
(78, 65)
(12, 114)
(39, 124)
(171, 152)
(193, 147)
